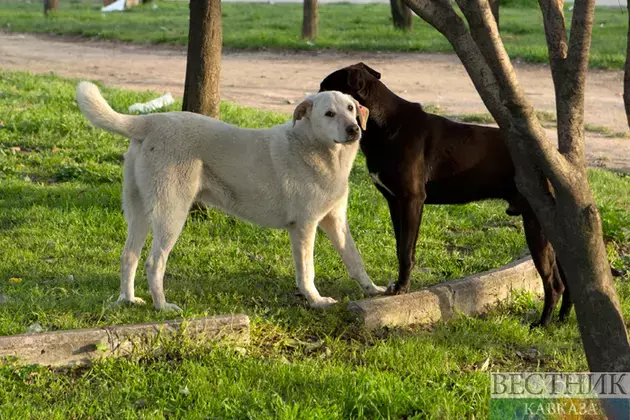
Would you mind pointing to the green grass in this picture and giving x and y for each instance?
(619, 134)
(62, 232)
(599, 129)
(343, 27)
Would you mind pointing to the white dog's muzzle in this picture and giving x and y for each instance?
(353, 133)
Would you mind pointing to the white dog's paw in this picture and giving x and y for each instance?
(375, 290)
(169, 307)
(323, 302)
(133, 301)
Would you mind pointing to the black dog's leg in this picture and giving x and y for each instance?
(394, 213)
(567, 303)
(410, 216)
(544, 260)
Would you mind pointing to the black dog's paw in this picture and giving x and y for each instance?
(535, 325)
(563, 317)
(395, 289)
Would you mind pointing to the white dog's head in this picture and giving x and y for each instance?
(332, 116)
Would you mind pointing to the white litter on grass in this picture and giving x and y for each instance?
(152, 105)
(34, 328)
(117, 6)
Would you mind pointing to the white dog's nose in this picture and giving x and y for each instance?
(352, 129)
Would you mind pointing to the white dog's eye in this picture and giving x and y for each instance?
(350, 108)
(330, 114)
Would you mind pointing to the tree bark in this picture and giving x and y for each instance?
(309, 20)
(401, 15)
(50, 5)
(554, 181)
(203, 65)
(626, 77)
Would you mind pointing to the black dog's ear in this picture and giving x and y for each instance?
(370, 70)
(356, 79)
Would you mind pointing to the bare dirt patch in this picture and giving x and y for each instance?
(276, 81)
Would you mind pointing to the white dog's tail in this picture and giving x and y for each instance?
(99, 113)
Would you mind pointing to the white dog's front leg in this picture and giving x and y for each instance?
(302, 245)
(335, 224)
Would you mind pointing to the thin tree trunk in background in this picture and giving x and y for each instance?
(401, 15)
(494, 6)
(50, 5)
(203, 65)
(309, 20)
(626, 78)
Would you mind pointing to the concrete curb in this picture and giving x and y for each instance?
(470, 296)
(81, 346)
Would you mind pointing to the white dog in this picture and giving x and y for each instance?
(293, 176)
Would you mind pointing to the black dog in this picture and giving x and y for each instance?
(416, 158)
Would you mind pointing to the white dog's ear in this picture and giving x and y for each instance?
(302, 110)
(362, 113)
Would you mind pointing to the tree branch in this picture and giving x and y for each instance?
(441, 15)
(555, 32)
(570, 94)
(580, 40)
(565, 208)
(484, 31)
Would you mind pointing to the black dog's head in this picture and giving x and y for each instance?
(351, 80)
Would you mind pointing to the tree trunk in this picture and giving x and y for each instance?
(203, 66)
(401, 15)
(553, 180)
(626, 78)
(494, 6)
(309, 21)
(50, 5)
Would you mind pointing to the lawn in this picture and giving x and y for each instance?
(344, 27)
(61, 233)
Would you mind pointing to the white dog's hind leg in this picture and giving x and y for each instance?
(335, 224)
(302, 244)
(137, 231)
(167, 224)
